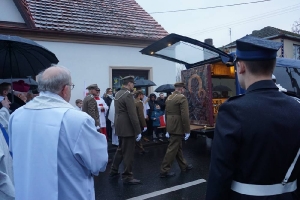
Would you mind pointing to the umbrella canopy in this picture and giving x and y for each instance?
(165, 88)
(221, 88)
(28, 81)
(143, 83)
(286, 62)
(20, 57)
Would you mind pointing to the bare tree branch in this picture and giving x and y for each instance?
(296, 27)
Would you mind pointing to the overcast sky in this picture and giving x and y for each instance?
(215, 23)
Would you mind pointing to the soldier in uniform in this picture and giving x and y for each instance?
(128, 130)
(257, 135)
(177, 126)
(139, 95)
(90, 104)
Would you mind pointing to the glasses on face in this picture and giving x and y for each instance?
(71, 86)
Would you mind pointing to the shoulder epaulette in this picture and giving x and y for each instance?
(235, 97)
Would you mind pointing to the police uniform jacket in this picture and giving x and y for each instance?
(177, 114)
(257, 137)
(140, 112)
(89, 105)
(126, 119)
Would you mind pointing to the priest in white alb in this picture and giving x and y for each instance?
(102, 108)
(56, 148)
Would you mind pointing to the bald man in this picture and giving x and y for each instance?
(56, 148)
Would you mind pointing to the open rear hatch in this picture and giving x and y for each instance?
(185, 50)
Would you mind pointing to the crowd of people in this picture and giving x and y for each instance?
(152, 108)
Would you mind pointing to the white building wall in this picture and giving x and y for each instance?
(289, 48)
(9, 12)
(90, 64)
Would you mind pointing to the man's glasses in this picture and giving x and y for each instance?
(71, 86)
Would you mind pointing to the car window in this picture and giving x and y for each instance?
(288, 78)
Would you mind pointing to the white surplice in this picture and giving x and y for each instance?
(56, 150)
(102, 114)
(111, 117)
(7, 189)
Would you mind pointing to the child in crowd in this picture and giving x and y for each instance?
(78, 103)
(156, 123)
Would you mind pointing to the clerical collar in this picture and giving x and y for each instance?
(50, 94)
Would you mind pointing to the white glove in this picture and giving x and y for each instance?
(97, 127)
(145, 128)
(139, 137)
(167, 135)
(187, 135)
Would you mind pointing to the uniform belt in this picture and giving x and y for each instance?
(263, 190)
(268, 190)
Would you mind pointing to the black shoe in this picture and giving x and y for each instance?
(132, 182)
(188, 167)
(113, 175)
(167, 175)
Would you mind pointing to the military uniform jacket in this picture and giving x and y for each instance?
(257, 137)
(126, 119)
(140, 112)
(177, 114)
(89, 106)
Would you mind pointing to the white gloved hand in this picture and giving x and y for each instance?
(187, 135)
(97, 127)
(138, 138)
(167, 135)
(145, 128)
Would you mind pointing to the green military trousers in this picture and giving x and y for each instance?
(174, 151)
(125, 153)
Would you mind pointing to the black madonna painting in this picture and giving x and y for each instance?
(198, 92)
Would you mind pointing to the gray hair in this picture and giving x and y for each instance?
(55, 82)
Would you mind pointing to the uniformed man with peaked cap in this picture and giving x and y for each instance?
(127, 129)
(89, 104)
(177, 126)
(257, 136)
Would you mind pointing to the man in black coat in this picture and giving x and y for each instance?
(257, 135)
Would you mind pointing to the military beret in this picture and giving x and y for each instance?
(93, 86)
(254, 48)
(128, 78)
(179, 84)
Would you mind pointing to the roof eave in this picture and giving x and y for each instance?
(37, 34)
(26, 16)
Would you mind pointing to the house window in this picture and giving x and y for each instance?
(117, 74)
(297, 52)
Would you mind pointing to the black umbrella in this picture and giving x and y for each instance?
(221, 88)
(143, 83)
(165, 88)
(20, 57)
(29, 81)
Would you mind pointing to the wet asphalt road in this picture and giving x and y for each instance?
(146, 168)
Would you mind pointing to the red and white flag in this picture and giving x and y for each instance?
(162, 120)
